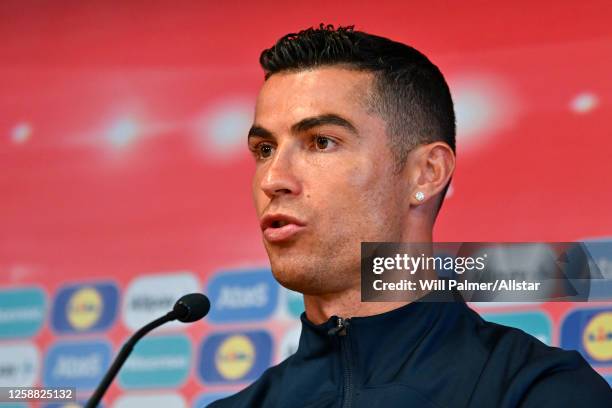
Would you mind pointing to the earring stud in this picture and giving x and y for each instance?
(419, 195)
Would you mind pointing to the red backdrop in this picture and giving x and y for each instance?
(123, 128)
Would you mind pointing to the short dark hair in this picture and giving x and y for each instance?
(410, 92)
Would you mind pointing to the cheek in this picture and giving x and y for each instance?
(259, 197)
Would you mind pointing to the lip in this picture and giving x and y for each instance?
(291, 228)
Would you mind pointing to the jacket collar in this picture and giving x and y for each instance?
(418, 338)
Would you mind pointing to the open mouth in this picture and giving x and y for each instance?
(278, 224)
(280, 227)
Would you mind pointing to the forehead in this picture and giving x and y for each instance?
(288, 97)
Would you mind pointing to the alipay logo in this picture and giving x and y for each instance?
(76, 364)
(157, 362)
(235, 357)
(22, 312)
(149, 297)
(242, 295)
(85, 308)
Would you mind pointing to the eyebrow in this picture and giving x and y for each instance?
(327, 119)
(307, 124)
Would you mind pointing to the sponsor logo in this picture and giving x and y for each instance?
(205, 399)
(242, 295)
(597, 337)
(536, 324)
(590, 332)
(149, 297)
(19, 365)
(76, 364)
(162, 361)
(79, 404)
(22, 312)
(289, 343)
(235, 357)
(150, 400)
(85, 308)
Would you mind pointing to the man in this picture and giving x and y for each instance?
(354, 140)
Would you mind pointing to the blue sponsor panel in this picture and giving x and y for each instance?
(76, 364)
(242, 295)
(589, 331)
(608, 378)
(208, 398)
(157, 362)
(22, 312)
(537, 324)
(85, 308)
(235, 357)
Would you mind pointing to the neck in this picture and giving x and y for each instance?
(319, 308)
(347, 303)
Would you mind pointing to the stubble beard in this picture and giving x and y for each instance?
(317, 269)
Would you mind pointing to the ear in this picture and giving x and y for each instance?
(429, 169)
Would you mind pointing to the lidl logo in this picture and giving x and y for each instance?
(536, 324)
(597, 337)
(149, 297)
(608, 378)
(242, 295)
(235, 357)
(156, 362)
(208, 398)
(19, 365)
(85, 308)
(76, 364)
(161, 400)
(22, 312)
(590, 332)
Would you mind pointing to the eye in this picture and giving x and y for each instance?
(262, 150)
(323, 142)
(265, 150)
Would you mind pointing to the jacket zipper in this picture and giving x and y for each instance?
(341, 330)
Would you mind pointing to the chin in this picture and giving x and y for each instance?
(291, 276)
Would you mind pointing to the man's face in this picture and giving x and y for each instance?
(324, 179)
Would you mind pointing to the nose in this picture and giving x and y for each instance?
(280, 176)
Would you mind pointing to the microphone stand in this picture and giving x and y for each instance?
(95, 398)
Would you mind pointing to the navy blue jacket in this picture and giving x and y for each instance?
(427, 355)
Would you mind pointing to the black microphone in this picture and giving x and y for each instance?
(189, 308)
